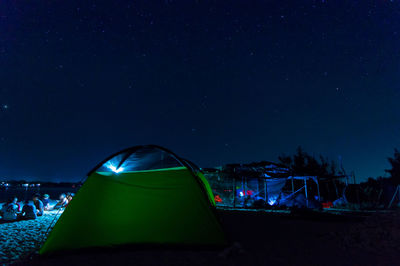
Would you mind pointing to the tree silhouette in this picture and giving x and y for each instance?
(395, 171)
(302, 163)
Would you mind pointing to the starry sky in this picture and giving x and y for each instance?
(215, 81)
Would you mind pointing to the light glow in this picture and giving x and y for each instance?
(217, 198)
(115, 169)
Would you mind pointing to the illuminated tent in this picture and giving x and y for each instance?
(141, 195)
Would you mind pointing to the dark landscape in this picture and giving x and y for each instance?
(267, 239)
(191, 132)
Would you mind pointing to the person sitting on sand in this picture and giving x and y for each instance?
(46, 203)
(29, 211)
(18, 205)
(38, 204)
(62, 202)
(10, 210)
(69, 197)
(15, 201)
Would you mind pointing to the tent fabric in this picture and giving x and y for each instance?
(274, 189)
(300, 201)
(207, 188)
(315, 178)
(162, 206)
(141, 158)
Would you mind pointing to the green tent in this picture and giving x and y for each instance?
(141, 195)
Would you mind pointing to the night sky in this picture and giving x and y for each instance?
(215, 81)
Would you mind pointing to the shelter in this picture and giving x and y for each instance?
(241, 185)
(141, 195)
(264, 184)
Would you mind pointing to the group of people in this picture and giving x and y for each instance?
(12, 211)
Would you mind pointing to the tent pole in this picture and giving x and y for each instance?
(265, 190)
(305, 188)
(245, 186)
(292, 186)
(243, 192)
(394, 196)
(336, 190)
(379, 196)
(234, 192)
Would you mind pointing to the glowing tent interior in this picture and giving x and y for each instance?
(141, 195)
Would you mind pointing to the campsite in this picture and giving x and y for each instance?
(259, 238)
(199, 132)
(166, 209)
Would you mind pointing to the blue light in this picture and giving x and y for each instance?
(115, 169)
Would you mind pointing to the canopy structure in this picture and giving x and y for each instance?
(141, 195)
(240, 185)
(258, 184)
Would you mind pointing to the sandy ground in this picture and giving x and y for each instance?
(257, 238)
(21, 238)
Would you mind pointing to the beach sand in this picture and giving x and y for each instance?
(257, 238)
(21, 238)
